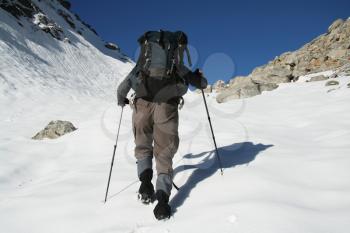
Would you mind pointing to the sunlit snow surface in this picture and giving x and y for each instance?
(285, 153)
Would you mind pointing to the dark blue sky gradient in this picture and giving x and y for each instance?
(250, 32)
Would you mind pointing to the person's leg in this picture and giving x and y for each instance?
(166, 142)
(143, 133)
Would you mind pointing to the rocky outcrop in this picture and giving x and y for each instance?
(267, 87)
(243, 87)
(66, 17)
(55, 129)
(30, 11)
(20, 8)
(48, 26)
(318, 78)
(330, 51)
(219, 86)
(326, 52)
(66, 4)
(343, 71)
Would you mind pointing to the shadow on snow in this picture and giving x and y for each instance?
(232, 155)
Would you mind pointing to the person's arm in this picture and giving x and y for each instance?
(195, 78)
(124, 88)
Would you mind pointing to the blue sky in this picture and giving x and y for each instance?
(229, 38)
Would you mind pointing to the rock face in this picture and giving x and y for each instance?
(55, 129)
(19, 8)
(326, 52)
(330, 51)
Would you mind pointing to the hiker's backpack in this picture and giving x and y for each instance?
(155, 72)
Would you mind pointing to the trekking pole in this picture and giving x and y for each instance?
(115, 147)
(212, 133)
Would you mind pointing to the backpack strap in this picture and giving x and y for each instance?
(180, 54)
(188, 56)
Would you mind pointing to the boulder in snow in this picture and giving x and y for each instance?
(55, 129)
(249, 91)
(112, 46)
(227, 95)
(239, 87)
(267, 87)
(318, 78)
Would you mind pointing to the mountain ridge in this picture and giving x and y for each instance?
(45, 45)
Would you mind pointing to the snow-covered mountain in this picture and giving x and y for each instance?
(284, 152)
(46, 47)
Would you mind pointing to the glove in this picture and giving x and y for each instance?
(203, 83)
(197, 79)
(122, 101)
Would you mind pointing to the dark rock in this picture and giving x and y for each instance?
(89, 27)
(77, 17)
(67, 17)
(48, 26)
(332, 83)
(20, 8)
(66, 4)
(112, 46)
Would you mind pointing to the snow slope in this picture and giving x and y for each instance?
(77, 65)
(285, 153)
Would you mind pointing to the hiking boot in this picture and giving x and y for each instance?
(162, 210)
(146, 190)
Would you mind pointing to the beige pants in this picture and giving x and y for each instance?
(155, 127)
